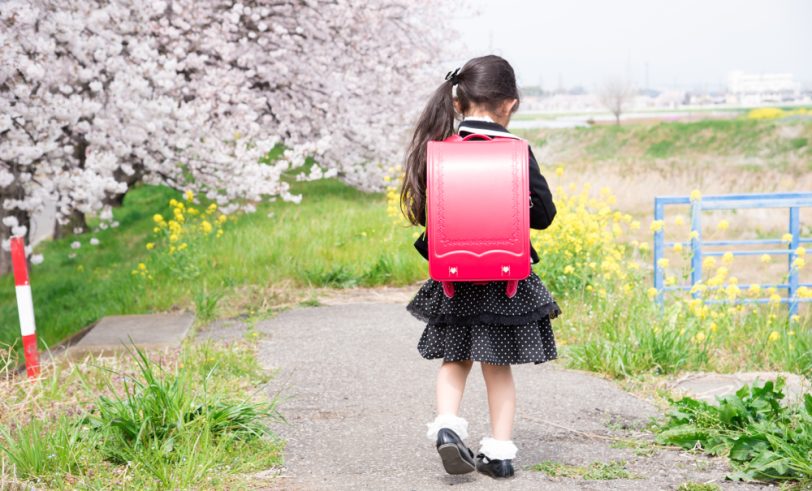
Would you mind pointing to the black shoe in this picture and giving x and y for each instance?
(494, 467)
(457, 458)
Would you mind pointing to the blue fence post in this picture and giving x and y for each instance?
(795, 231)
(696, 244)
(658, 251)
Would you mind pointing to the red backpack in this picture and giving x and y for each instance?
(477, 210)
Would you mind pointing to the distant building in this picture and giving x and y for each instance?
(750, 89)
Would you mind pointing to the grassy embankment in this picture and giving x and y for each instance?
(748, 144)
(337, 237)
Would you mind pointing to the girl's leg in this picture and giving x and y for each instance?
(501, 399)
(451, 385)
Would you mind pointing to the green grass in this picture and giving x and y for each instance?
(191, 424)
(337, 236)
(615, 469)
(696, 486)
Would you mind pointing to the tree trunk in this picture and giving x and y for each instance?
(76, 219)
(14, 191)
(5, 233)
(131, 180)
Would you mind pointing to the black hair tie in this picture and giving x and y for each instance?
(453, 77)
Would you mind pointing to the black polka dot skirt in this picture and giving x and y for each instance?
(481, 323)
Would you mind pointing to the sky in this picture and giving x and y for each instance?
(682, 44)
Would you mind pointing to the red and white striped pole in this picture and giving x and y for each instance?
(25, 306)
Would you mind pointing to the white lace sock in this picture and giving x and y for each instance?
(497, 449)
(456, 423)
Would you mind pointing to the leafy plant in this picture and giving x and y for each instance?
(763, 439)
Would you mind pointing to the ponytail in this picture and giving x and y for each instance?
(436, 123)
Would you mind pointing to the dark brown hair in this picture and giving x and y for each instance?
(486, 81)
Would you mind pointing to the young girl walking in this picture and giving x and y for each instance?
(479, 323)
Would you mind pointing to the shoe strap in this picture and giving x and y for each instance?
(483, 456)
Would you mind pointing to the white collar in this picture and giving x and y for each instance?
(484, 131)
(478, 118)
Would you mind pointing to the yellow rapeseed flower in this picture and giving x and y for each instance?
(173, 238)
(727, 257)
(670, 280)
(158, 218)
(679, 220)
(662, 262)
(559, 171)
(694, 234)
(651, 292)
(656, 225)
(713, 326)
(150, 246)
(700, 336)
(775, 299)
(205, 226)
(568, 269)
(677, 247)
(800, 251)
(142, 266)
(189, 195)
(696, 195)
(723, 225)
(798, 263)
(766, 259)
(698, 287)
(222, 219)
(786, 238)
(774, 336)
(182, 246)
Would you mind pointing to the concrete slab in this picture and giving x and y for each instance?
(706, 386)
(151, 331)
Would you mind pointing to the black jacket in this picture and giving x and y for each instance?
(543, 210)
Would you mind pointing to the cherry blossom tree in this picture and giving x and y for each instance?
(96, 96)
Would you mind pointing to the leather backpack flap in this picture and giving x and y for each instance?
(477, 210)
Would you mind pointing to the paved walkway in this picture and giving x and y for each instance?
(358, 397)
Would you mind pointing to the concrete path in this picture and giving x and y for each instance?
(357, 396)
(114, 334)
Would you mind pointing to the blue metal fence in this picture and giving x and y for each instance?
(793, 201)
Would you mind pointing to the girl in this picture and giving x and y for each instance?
(479, 323)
